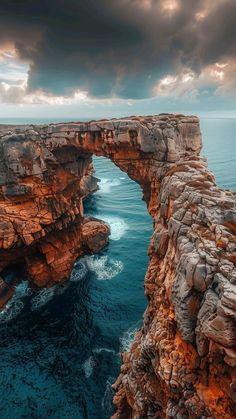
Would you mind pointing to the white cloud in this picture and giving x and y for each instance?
(18, 94)
(209, 6)
(11, 69)
(170, 6)
(219, 78)
(178, 86)
(13, 84)
(186, 85)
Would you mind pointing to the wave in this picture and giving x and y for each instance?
(88, 366)
(100, 350)
(127, 339)
(39, 299)
(22, 290)
(104, 267)
(105, 185)
(80, 270)
(106, 403)
(42, 297)
(12, 309)
(61, 288)
(118, 226)
(15, 305)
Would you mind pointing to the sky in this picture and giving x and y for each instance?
(104, 58)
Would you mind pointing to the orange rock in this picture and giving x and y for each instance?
(6, 292)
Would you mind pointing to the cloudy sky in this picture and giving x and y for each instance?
(77, 58)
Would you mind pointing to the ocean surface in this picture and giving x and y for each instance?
(60, 348)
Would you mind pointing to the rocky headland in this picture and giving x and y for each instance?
(42, 187)
(182, 363)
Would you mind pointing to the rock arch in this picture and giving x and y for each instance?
(183, 360)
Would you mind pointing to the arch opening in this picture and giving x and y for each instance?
(100, 308)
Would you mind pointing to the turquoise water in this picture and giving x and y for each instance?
(219, 145)
(60, 348)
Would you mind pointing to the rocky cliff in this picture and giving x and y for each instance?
(182, 363)
(42, 188)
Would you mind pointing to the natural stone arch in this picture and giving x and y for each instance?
(186, 348)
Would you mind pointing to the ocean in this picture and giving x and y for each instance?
(60, 348)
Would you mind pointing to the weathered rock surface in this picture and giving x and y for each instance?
(182, 363)
(42, 188)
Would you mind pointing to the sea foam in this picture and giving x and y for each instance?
(79, 271)
(88, 366)
(98, 351)
(105, 185)
(42, 297)
(12, 309)
(103, 267)
(127, 339)
(106, 403)
(118, 226)
(15, 305)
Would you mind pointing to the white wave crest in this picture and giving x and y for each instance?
(15, 304)
(127, 339)
(100, 350)
(12, 309)
(118, 226)
(88, 366)
(80, 270)
(104, 267)
(22, 290)
(105, 185)
(42, 297)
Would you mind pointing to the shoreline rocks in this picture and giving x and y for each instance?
(182, 361)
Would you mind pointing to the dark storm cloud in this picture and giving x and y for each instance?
(116, 47)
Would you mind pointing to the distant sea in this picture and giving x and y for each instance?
(60, 348)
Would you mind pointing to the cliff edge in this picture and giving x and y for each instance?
(182, 363)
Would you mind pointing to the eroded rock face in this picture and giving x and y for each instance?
(42, 188)
(182, 363)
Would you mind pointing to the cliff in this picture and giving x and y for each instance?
(182, 363)
(42, 188)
